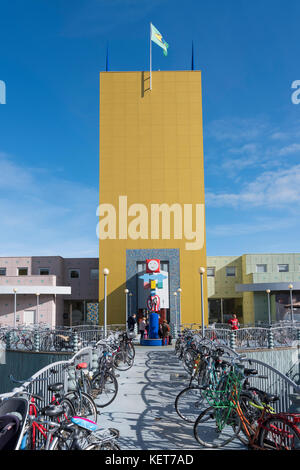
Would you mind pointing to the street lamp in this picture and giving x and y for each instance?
(269, 307)
(105, 274)
(130, 295)
(176, 316)
(201, 271)
(126, 291)
(15, 307)
(37, 307)
(179, 290)
(290, 286)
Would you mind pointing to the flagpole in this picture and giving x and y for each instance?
(150, 60)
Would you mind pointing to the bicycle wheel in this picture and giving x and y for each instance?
(189, 358)
(122, 361)
(278, 434)
(28, 344)
(84, 405)
(69, 409)
(215, 428)
(104, 389)
(189, 404)
(105, 446)
(251, 409)
(130, 350)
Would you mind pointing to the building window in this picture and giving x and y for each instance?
(230, 271)
(283, 268)
(210, 272)
(2, 271)
(261, 268)
(22, 271)
(74, 273)
(94, 274)
(44, 272)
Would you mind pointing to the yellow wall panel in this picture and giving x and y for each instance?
(151, 150)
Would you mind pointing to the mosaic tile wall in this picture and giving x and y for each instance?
(171, 255)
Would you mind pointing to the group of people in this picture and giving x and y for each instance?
(164, 331)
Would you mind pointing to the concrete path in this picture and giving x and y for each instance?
(144, 410)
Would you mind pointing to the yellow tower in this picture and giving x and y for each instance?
(151, 188)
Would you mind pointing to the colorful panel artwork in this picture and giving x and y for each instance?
(92, 312)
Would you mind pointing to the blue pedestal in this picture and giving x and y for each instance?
(151, 342)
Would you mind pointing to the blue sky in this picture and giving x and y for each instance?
(51, 52)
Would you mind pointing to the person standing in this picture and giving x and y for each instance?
(234, 322)
(131, 322)
(165, 333)
(142, 327)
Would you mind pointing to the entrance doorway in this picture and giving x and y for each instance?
(29, 317)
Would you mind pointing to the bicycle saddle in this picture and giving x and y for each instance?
(53, 411)
(250, 372)
(269, 398)
(82, 365)
(56, 387)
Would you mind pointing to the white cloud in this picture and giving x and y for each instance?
(274, 189)
(289, 149)
(43, 214)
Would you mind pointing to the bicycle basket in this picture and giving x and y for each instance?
(131, 334)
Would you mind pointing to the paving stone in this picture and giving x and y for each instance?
(144, 410)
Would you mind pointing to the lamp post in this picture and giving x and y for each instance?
(130, 295)
(105, 274)
(269, 307)
(176, 316)
(179, 290)
(37, 307)
(15, 306)
(201, 271)
(290, 286)
(126, 291)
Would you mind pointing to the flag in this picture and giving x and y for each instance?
(192, 67)
(156, 37)
(107, 61)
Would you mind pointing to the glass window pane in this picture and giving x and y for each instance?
(44, 271)
(74, 273)
(22, 271)
(94, 273)
(2, 271)
(283, 268)
(210, 272)
(261, 268)
(230, 271)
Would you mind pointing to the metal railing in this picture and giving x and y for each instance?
(39, 382)
(42, 338)
(279, 335)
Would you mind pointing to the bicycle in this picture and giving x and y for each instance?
(227, 416)
(80, 396)
(78, 434)
(104, 384)
(36, 433)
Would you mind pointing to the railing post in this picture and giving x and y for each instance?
(8, 340)
(298, 336)
(71, 379)
(75, 342)
(94, 365)
(36, 341)
(270, 339)
(232, 339)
